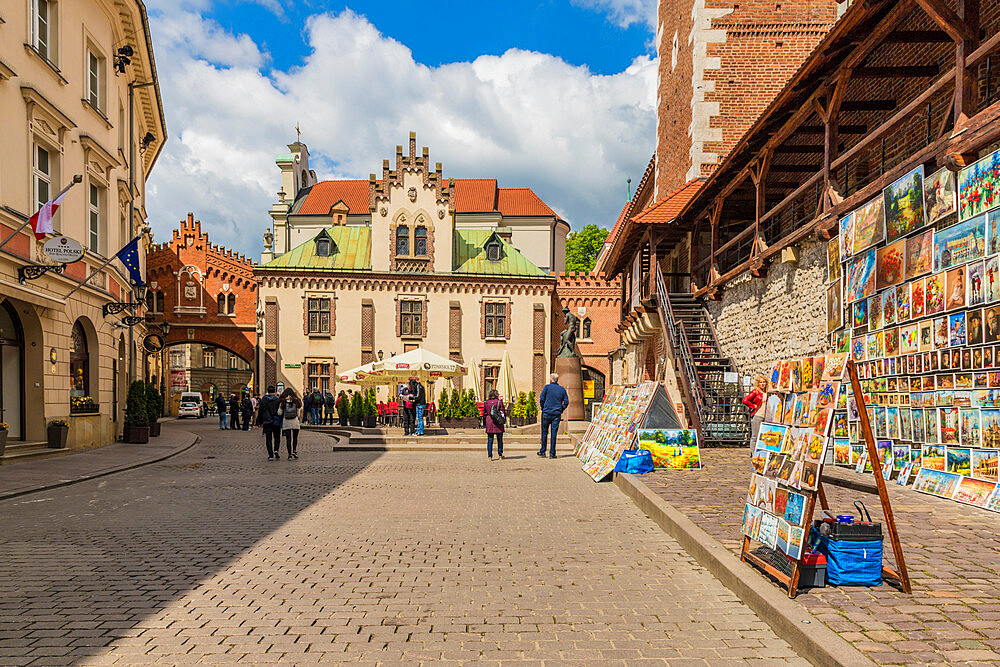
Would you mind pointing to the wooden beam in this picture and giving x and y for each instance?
(950, 22)
(843, 129)
(799, 149)
(868, 105)
(795, 168)
(966, 76)
(917, 37)
(896, 71)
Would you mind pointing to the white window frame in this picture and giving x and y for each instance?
(96, 78)
(207, 355)
(43, 40)
(38, 175)
(95, 217)
(491, 320)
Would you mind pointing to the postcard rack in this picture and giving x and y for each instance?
(791, 580)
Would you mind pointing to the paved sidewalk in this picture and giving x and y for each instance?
(31, 476)
(952, 552)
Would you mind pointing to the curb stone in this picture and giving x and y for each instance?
(5, 495)
(810, 638)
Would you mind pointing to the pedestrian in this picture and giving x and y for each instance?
(553, 400)
(234, 412)
(329, 407)
(317, 407)
(290, 405)
(246, 409)
(409, 413)
(220, 406)
(419, 404)
(269, 418)
(754, 402)
(494, 417)
(342, 397)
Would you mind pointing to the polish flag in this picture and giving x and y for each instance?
(41, 221)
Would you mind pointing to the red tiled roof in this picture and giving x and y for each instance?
(325, 194)
(667, 209)
(475, 195)
(520, 201)
(472, 195)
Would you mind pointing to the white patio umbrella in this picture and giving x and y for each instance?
(364, 375)
(418, 363)
(472, 381)
(505, 380)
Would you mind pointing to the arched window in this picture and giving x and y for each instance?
(231, 307)
(585, 328)
(402, 240)
(420, 241)
(222, 304)
(159, 301)
(323, 248)
(150, 302)
(79, 366)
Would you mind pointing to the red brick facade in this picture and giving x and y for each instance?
(720, 66)
(591, 299)
(187, 275)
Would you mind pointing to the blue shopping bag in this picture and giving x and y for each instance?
(852, 562)
(637, 462)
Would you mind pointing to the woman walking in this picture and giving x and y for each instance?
(290, 425)
(494, 428)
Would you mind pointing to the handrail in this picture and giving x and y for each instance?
(668, 331)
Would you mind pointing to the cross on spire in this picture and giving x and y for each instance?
(298, 133)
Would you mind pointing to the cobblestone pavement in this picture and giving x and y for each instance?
(952, 552)
(219, 556)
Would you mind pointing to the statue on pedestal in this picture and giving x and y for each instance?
(567, 339)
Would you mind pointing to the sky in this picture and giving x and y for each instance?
(556, 95)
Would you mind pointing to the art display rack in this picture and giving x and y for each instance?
(790, 580)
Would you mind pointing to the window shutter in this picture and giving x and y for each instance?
(399, 318)
(305, 316)
(482, 320)
(507, 321)
(423, 318)
(333, 322)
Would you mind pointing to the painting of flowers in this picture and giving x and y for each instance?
(934, 294)
(890, 265)
(861, 276)
(869, 224)
(904, 205)
(917, 298)
(979, 186)
(960, 243)
(939, 194)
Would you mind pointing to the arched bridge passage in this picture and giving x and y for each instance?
(237, 341)
(207, 341)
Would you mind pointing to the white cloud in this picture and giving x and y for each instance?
(625, 12)
(526, 118)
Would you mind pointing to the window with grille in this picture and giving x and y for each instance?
(319, 315)
(42, 170)
(490, 374)
(323, 248)
(493, 252)
(208, 358)
(94, 216)
(402, 240)
(496, 320)
(318, 376)
(420, 242)
(411, 318)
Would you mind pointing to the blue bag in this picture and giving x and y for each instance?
(635, 462)
(851, 562)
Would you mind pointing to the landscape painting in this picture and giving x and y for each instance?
(939, 194)
(960, 243)
(861, 276)
(834, 307)
(919, 254)
(671, 448)
(978, 186)
(846, 237)
(869, 225)
(833, 261)
(904, 205)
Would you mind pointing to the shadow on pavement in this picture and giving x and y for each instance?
(82, 566)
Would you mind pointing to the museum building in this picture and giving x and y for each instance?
(355, 270)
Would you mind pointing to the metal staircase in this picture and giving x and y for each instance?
(715, 405)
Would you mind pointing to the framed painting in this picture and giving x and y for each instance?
(991, 324)
(960, 243)
(919, 254)
(958, 460)
(846, 237)
(890, 265)
(925, 335)
(974, 334)
(869, 224)
(833, 260)
(939, 194)
(889, 307)
(974, 491)
(984, 464)
(934, 294)
(903, 309)
(918, 298)
(954, 289)
(861, 276)
(975, 274)
(991, 275)
(671, 448)
(904, 205)
(979, 187)
(970, 430)
(834, 307)
(859, 312)
(957, 330)
(908, 339)
(993, 232)
(941, 333)
(875, 319)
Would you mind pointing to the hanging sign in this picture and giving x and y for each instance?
(152, 343)
(63, 249)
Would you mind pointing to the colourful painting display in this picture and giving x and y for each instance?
(671, 448)
(978, 186)
(861, 276)
(960, 243)
(939, 194)
(869, 224)
(904, 205)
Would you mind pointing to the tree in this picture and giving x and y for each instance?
(583, 246)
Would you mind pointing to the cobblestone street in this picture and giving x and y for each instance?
(218, 556)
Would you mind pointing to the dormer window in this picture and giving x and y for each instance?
(402, 240)
(420, 242)
(493, 251)
(323, 248)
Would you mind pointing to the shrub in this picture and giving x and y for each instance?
(154, 402)
(443, 405)
(136, 413)
(531, 406)
(357, 405)
(521, 405)
(343, 407)
(370, 406)
(455, 406)
(468, 404)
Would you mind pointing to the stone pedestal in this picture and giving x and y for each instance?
(571, 378)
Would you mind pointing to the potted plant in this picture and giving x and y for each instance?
(343, 409)
(3, 436)
(136, 415)
(443, 405)
(82, 405)
(370, 409)
(531, 408)
(154, 408)
(58, 431)
(357, 409)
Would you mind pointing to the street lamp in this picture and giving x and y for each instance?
(139, 292)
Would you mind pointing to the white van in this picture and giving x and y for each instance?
(191, 405)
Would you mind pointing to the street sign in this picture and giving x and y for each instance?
(152, 343)
(63, 249)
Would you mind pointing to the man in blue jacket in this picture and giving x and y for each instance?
(553, 400)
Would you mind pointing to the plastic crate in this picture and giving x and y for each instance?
(812, 574)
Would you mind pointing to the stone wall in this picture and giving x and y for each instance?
(780, 315)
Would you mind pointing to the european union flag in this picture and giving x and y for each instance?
(129, 256)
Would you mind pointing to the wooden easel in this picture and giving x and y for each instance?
(792, 581)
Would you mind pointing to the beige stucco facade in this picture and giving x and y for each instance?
(64, 112)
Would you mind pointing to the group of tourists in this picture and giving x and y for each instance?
(277, 416)
(553, 400)
(236, 413)
(320, 407)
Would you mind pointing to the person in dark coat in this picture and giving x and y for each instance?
(269, 417)
(493, 429)
(554, 400)
(220, 406)
(246, 408)
(234, 412)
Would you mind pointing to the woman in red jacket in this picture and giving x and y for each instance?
(755, 402)
(493, 429)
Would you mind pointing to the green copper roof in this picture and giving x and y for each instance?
(351, 252)
(470, 256)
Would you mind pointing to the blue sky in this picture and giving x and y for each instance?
(557, 96)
